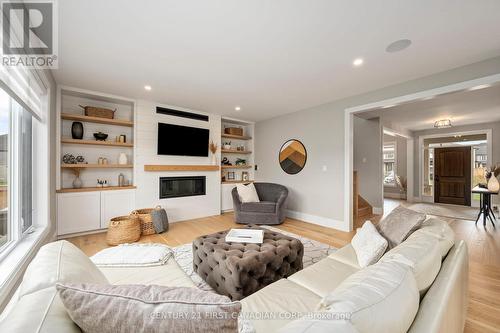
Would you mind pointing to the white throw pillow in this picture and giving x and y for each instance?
(382, 298)
(247, 193)
(368, 244)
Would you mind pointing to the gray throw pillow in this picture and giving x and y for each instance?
(139, 308)
(400, 224)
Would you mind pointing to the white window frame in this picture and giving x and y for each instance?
(395, 169)
(14, 200)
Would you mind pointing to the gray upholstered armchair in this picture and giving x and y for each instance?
(270, 209)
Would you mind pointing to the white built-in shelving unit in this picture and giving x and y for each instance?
(89, 208)
(247, 140)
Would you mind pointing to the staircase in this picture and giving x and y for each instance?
(361, 207)
(364, 208)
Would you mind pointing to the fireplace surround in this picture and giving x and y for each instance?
(175, 187)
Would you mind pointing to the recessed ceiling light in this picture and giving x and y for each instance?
(147, 87)
(358, 62)
(481, 86)
(237, 108)
(398, 45)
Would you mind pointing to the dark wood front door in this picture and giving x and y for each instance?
(452, 175)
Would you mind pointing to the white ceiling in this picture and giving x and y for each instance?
(463, 108)
(269, 57)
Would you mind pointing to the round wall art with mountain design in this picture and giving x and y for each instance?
(292, 156)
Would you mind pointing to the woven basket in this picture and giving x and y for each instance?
(123, 229)
(144, 215)
(92, 111)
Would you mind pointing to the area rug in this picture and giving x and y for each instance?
(451, 211)
(314, 251)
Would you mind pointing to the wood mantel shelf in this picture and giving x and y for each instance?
(164, 167)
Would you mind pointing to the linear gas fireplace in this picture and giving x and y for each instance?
(174, 187)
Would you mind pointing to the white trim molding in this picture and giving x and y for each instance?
(348, 128)
(318, 220)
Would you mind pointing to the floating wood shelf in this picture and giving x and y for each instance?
(238, 137)
(78, 117)
(93, 189)
(237, 182)
(96, 166)
(160, 167)
(236, 167)
(97, 143)
(234, 151)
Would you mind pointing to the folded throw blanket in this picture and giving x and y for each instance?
(133, 255)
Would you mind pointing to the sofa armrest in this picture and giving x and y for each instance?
(236, 199)
(280, 204)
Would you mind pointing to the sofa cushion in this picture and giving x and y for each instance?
(140, 308)
(382, 298)
(59, 262)
(440, 230)
(346, 255)
(422, 254)
(282, 297)
(326, 325)
(247, 193)
(368, 244)
(324, 276)
(260, 207)
(40, 311)
(169, 274)
(399, 224)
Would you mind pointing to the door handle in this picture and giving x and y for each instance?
(436, 178)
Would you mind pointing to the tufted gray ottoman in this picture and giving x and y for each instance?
(240, 269)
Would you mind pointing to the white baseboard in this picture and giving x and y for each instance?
(319, 220)
(378, 210)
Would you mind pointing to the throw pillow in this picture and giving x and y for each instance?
(247, 193)
(400, 224)
(139, 308)
(368, 244)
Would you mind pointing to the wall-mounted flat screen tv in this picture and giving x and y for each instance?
(182, 140)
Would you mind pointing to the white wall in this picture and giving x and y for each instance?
(147, 193)
(367, 157)
(318, 194)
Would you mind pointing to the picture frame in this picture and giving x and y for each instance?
(230, 175)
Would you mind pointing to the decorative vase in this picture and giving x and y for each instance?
(493, 184)
(77, 182)
(122, 158)
(77, 130)
(214, 159)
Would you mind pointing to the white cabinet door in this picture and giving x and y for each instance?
(227, 198)
(78, 212)
(116, 203)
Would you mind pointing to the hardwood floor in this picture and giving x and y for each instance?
(483, 243)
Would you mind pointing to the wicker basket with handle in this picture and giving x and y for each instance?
(123, 229)
(92, 111)
(144, 215)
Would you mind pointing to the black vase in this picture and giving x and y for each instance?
(77, 130)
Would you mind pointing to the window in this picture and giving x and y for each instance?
(16, 190)
(389, 160)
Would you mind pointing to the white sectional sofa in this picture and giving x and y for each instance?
(440, 300)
